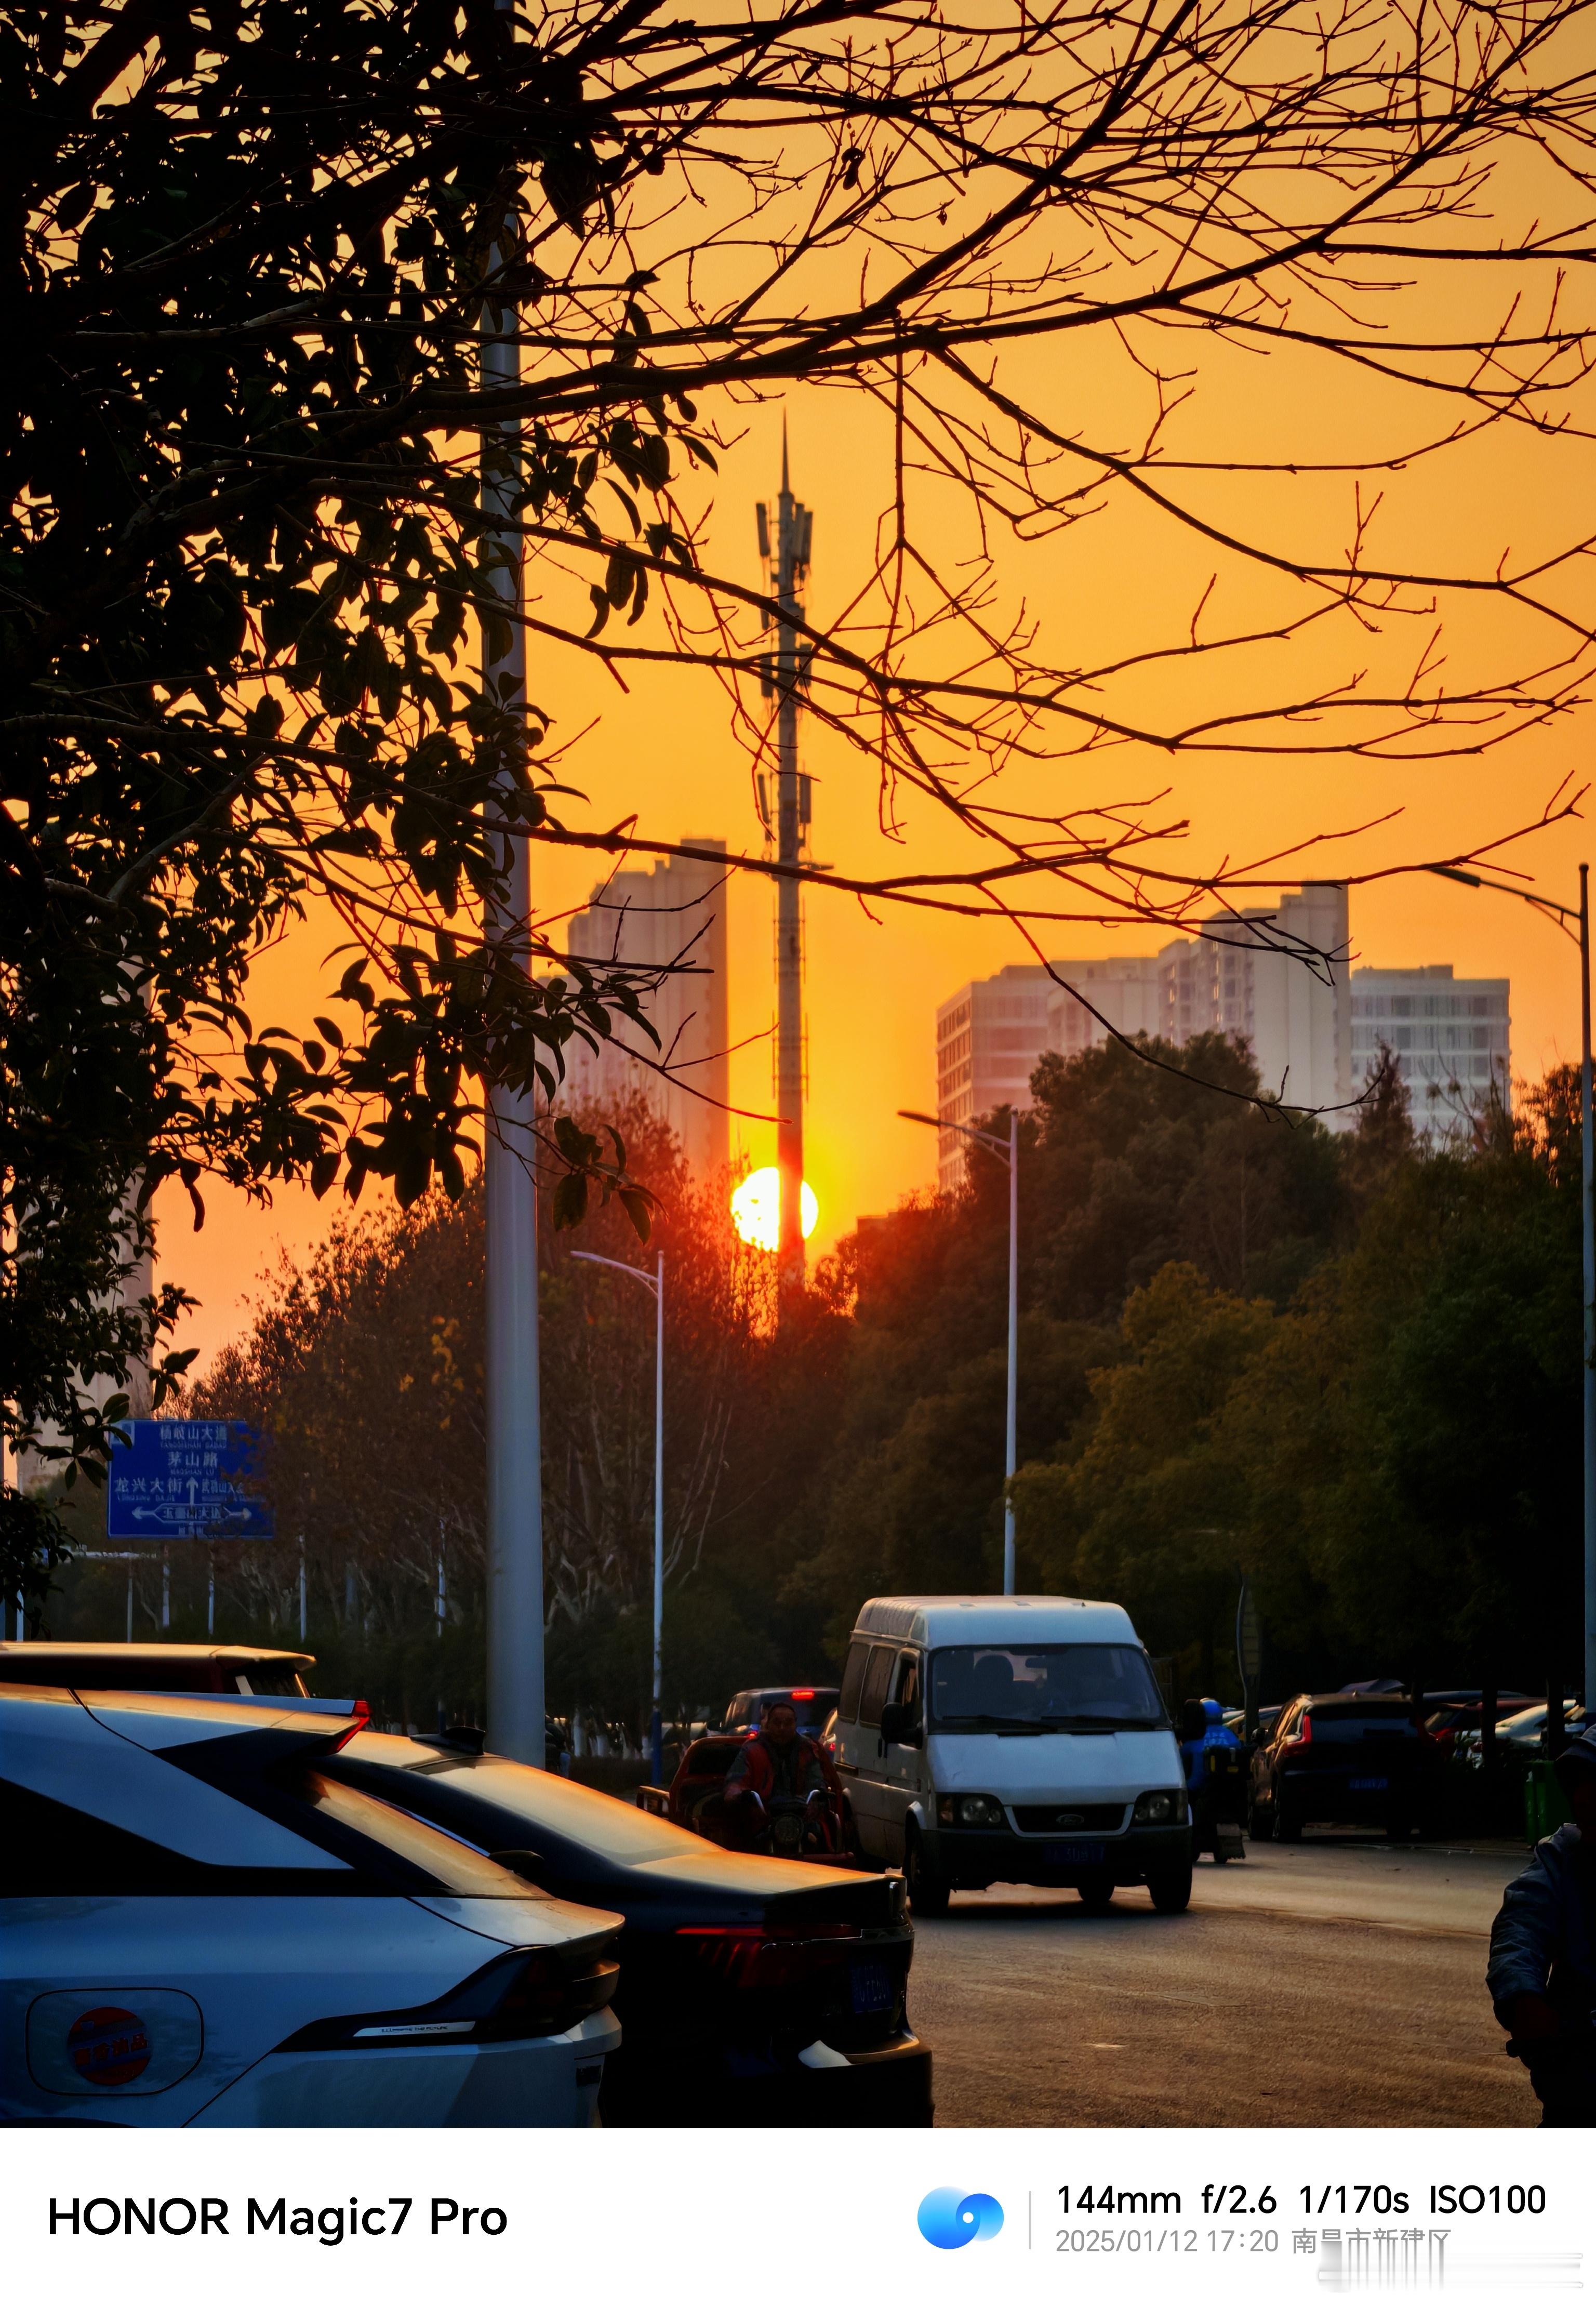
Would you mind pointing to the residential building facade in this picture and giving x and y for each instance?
(673, 913)
(1450, 1037)
(989, 1035)
(1276, 977)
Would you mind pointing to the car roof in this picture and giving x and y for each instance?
(552, 1806)
(1002, 1619)
(785, 1689)
(144, 1715)
(1359, 1701)
(241, 1653)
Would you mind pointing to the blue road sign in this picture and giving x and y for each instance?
(184, 1478)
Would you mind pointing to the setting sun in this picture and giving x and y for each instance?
(756, 1209)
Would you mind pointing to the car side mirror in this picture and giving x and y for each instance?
(900, 1726)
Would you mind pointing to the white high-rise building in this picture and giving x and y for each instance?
(1246, 975)
(989, 1035)
(673, 913)
(1252, 973)
(1450, 1037)
(1127, 990)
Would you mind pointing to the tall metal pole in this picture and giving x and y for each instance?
(655, 1281)
(1587, 1232)
(515, 1676)
(792, 558)
(1011, 1452)
(656, 1725)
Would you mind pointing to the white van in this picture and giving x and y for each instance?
(1011, 1738)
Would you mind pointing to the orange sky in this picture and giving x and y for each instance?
(667, 752)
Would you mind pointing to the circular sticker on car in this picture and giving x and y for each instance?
(108, 2046)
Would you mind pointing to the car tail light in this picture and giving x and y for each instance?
(755, 1959)
(1304, 1736)
(518, 1998)
(802, 1694)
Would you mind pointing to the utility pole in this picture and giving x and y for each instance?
(786, 672)
(515, 1680)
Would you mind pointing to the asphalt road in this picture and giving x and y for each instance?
(1338, 1981)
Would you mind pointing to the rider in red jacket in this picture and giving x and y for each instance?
(777, 1765)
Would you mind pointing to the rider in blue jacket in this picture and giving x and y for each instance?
(1542, 1968)
(1202, 1726)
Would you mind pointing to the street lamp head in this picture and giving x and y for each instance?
(638, 1273)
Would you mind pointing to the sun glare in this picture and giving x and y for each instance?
(756, 1209)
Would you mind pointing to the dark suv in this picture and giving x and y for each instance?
(1348, 1759)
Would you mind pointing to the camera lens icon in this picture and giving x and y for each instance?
(949, 2218)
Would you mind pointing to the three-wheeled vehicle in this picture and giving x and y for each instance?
(820, 1829)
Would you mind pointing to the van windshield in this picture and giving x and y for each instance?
(1060, 1687)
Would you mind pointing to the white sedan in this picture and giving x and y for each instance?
(202, 1928)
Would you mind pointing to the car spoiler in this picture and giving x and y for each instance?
(216, 1739)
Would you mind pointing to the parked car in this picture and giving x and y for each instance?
(1002, 1738)
(221, 1668)
(1526, 1729)
(810, 1701)
(204, 1928)
(1459, 1711)
(1345, 1758)
(753, 1990)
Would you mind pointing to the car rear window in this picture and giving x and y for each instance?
(612, 1829)
(270, 1682)
(88, 1672)
(1362, 1721)
(454, 1866)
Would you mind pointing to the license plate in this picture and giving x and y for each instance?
(1368, 1786)
(1072, 1854)
(873, 1987)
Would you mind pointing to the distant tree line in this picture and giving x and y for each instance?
(1345, 1366)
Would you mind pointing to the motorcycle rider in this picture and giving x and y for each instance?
(1542, 1968)
(1203, 1727)
(775, 1765)
(776, 1761)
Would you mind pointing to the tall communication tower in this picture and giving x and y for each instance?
(783, 675)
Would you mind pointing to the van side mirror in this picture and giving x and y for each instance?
(900, 1726)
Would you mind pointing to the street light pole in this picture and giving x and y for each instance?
(1588, 1244)
(1010, 1461)
(656, 1283)
(515, 1662)
(1006, 1151)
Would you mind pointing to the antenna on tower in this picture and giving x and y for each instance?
(783, 674)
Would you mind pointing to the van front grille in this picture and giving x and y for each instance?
(1065, 1818)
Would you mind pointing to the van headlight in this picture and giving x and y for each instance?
(1161, 1808)
(970, 1810)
